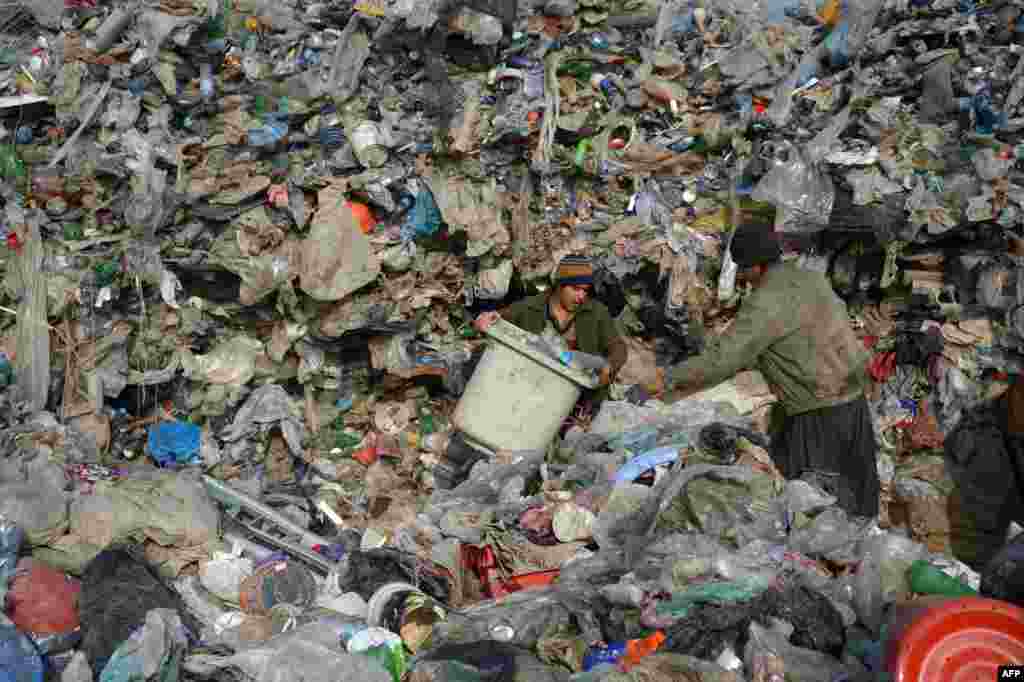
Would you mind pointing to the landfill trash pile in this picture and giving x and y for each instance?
(243, 246)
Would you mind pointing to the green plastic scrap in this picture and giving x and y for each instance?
(392, 658)
(709, 593)
(11, 165)
(105, 273)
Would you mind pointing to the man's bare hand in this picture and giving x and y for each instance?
(485, 320)
(659, 384)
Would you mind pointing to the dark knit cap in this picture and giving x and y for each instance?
(575, 270)
(755, 245)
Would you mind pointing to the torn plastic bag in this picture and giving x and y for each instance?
(19, 660)
(153, 652)
(315, 659)
(668, 506)
(169, 512)
(38, 505)
(267, 405)
(799, 188)
(311, 653)
(521, 619)
(336, 256)
(881, 576)
(472, 208)
(804, 498)
(223, 575)
(830, 535)
(348, 60)
(11, 537)
(796, 663)
(492, 284)
(77, 670)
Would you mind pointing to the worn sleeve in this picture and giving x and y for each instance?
(613, 343)
(761, 321)
(516, 314)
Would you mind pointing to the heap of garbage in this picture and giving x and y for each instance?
(243, 245)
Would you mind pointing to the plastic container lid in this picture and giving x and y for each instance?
(528, 344)
(954, 640)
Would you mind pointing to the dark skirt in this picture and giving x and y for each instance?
(835, 449)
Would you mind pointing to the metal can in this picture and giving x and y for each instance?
(367, 143)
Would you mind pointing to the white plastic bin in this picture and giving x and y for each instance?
(518, 396)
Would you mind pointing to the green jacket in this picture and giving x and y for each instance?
(795, 330)
(596, 331)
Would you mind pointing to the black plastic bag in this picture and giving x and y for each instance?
(1003, 577)
(710, 628)
(118, 591)
(366, 572)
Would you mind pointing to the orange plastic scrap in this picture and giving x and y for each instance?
(363, 216)
(637, 649)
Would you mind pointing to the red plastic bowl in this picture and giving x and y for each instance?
(938, 639)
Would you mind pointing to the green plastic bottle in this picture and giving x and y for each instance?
(928, 579)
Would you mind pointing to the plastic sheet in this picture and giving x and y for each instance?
(797, 664)
(800, 189)
(830, 535)
(881, 576)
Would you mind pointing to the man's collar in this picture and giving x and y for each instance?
(540, 302)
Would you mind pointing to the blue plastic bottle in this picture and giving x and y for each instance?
(600, 655)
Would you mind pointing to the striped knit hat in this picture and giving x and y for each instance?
(574, 270)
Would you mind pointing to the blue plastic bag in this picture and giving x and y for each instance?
(425, 218)
(174, 443)
(19, 659)
(645, 462)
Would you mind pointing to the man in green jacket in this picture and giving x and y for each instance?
(797, 332)
(569, 320)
